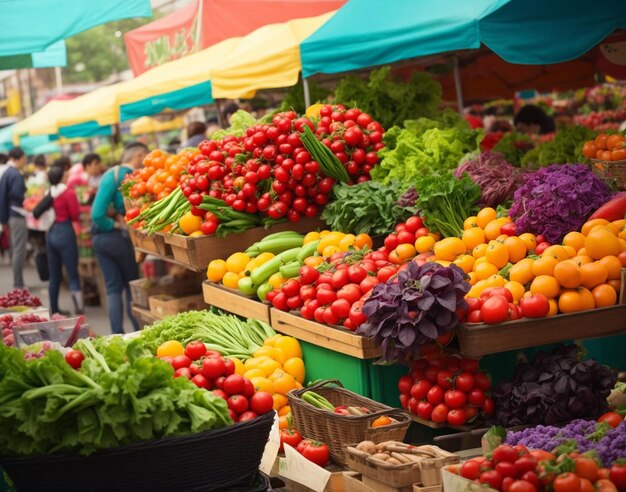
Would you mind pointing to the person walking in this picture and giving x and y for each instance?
(12, 213)
(111, 242)
(61, 245)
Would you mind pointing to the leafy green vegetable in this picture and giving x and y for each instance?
(239, 123)
(227, 334)
(514, 146)
(390, 102)
(446, 201)
(565, 147)
(367, 207)
(46, 406)
(424, 145)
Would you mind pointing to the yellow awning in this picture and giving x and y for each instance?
(152, 125)
(267, 58)
(42, 122)
(100, 106)
(177, 74)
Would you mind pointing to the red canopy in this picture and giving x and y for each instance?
(174, 36)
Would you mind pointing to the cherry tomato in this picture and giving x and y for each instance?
(424, 410)
(495, 310)
(435, 395)
(507, 469)
(482, 381)
(464, 381)
(493, 478)
(457, 416)
(505, 453)
(444, 379)
(470, 470)
(566, 482)
(440, 413)
(420, 389)
(534, 306)
(526, 463)
(476, 397)
(74, 359)
(611, 418)
(522, 486)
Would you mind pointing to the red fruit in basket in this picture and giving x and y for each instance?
(356, 314)
(246, 416)
(457, 417)
(229, 367)
(471, 412)
(261, 402)
(213, 367)
(181, 361)
(220, 394)
(492, 478)
(406, 237)
(432, 373)
(507, 469)
(445, 379)
(74, 358)
(195, 350)
(219, 382)
(488, 407)
(234, 384)
(404, 384)
(424, 410)
(464, 382)
(435, 395)
(440, 413)
(248, 388)
(184, 372)
(200, 381)
(404, 400)
(455, 398)
(195, 369)
(505, 453)
(238, 403)
(420, 389)
(470, 470)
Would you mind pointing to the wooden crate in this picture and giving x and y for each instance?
(144, 316)
(455, 483)
(197, 252)
(479, 340)
(333, 338)
(230, 300)
(132, 234)
(355, 482)
(163, 305)
(141, 289)
(153, 244)
(88, 267)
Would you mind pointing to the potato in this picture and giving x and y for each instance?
(367, 446)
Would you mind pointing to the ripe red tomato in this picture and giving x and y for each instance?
(534, 306)
(492, 478)
(510, 229)
(617, 475)
(476, 397)
(432, 374)
(385, 273)
(350, 292)
(290, 437)
(183, 371)
(526, 463)
(314, 451)
(522, 486)
(234, 384)
(420, 389)
(611, 418)
(405, 384)
(464, 381)
(541, 247)
(308, 275)
(435, 395)
(475, 317)
(455, 398)
(214, 367)
(200, 381)
(244, 417)
(356, 274)
(504, 453)
(444, 379)
(424, 410)
(488, 407)
(566, 482)
(469, 365)
(482, 381)
(181, 361)
(340, 278)
(74, 359)
(457, 417)
(495, 310)
(413, 224)
(506, 484)
(261, 402)
(470, 470)
(368, 283)
(496, 291)
(440, 413)
(238, 404)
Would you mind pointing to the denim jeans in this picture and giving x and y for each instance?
(62, 251)
(18, 234)
(116, 258)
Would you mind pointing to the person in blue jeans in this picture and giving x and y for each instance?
(61, 246)
(111, 242)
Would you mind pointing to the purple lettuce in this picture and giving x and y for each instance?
(414, 308)
(558, 199)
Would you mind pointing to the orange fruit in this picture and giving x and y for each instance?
(492, 230)
(570, 301)
(570, 251)
(479, 251)
(473, 237)
(237, 262)
(616, 284)
(171, 348)
(279, 401)
(424, 244)
(567, 273)
(449, 248)
(587, 298)
(473, 278)
(516, 289)
(284, 422)
(574, 239)
(516, 247)
(529, 240)
(363, 241)
(601, 242)
(546, 285)
(587, 226)
(485, 216)
(284, 383)
(295, 368)
(582, 260)
(495, 280)
(216, 270)
(613, 267)
(604, 295)
(554, 307)
(593, 274)
(190, 223)
(381, 421)
(497, 254)
(465, 262)
(485, 270)
(557, 251)
(405, 251)
(522, 271)
(544, 265)
(314, 261)
(470, 222)
(263, 384)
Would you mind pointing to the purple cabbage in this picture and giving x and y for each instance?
(587, 435)
(414, 308)
(554, 387)
(497, 179)
(558, 199)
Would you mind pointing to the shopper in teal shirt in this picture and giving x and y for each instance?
(111, 243)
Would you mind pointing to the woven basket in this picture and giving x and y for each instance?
(611, 170)
(341, 431)
(214, 460)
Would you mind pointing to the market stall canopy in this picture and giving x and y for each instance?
(98, 107)
(30, 26)
(42, 122)
(54, 55)
(151, 125)
(365, 33)
(179, 33)
(268, 58)
(179, 84)
(6, 138)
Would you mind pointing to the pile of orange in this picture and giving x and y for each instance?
(606, 148)
(584, 272)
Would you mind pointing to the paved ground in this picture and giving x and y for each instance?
(96, 315)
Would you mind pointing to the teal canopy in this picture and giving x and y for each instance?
(6, 138)
(87, 129)
(364, 33)
(30, 26)
(37, 144)
(54, 55)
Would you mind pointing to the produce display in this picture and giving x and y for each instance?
(447, 390)
(19, 298)
(606, 148)
(8, 322)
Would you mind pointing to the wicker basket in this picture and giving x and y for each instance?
(341, 431)
(611, 170)
(214, 460)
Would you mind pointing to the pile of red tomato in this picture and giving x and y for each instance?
(495, 305)
(446, 389)
(315, 451)
(336, 296)
(268, 170)
(518, 469)
(209, 370)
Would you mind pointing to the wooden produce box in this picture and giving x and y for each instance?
(456, 483)
(333, 338)
(355, 482)
(164, 305)
(479, 340)
(197, 252)
(132, 234)
(230, 300)
(141, 289)
(88, 267)
(153, 244)
(144, 316)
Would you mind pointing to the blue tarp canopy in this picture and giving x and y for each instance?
(365, 33)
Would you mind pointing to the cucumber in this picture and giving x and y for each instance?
(267, 269)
